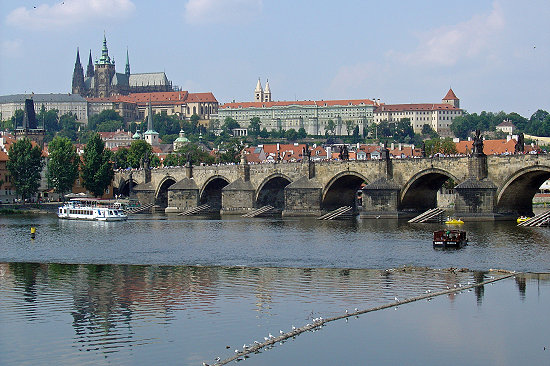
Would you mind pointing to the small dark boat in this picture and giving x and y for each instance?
(450, 239)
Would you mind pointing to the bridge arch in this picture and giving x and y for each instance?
(124, 187)
(420, 192)
(211, 191)
(272, 191)
(515, 197)
(161, 195)
(341, 190)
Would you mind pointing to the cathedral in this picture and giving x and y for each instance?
(102, 80)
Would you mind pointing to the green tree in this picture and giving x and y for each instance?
(109, 126)
(291, 134)
(62, 165)
(96, 166)
(355, 138)
(195, 153)
(17, 119)
(104, 116)
(330, 128)
(194, 123)
(25, 164)
(229, 125)
(69, 126)
(254, 126)
(121, 158)
(302, 134)
(139, 150)
(264, 133)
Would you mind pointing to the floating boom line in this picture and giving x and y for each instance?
(257, 346)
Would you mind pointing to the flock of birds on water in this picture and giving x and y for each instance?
(317, 323)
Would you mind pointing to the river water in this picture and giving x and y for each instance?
(174, 290)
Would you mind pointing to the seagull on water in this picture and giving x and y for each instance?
(265, 338)
(396, 299)
(356, 310)
(346, 311)
(218, 359)
(271, 335)
(281, 332)
(293, 327)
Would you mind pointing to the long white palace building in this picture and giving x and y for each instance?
(313, 116)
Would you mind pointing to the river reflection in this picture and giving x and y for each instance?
(122, 314)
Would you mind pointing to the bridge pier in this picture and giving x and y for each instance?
(381, 200)
(303, 198)
(182, 196)
(476, 196)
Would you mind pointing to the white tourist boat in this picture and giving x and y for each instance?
(91, 209)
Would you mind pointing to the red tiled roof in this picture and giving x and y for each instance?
(319, 103)
(415, 107)
(450, 95)
(3, 156)
(490, 147)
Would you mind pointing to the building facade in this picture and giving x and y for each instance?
(102, 80)
(64, 103)
(438, 116)
(313, 116)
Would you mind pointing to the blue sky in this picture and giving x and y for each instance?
(494, 54)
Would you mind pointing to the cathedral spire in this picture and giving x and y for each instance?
(127, 69)
(105, 59)
(90, 68)
(78, 76)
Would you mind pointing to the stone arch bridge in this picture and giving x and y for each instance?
(485, 186)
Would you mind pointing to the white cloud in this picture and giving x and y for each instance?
(12, 48)
(448, 45)
(221, 11)
(68, 12)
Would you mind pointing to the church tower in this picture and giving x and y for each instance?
(267, 92)
(451, 99)
(258, 92)
(78, 76)
(90, 68)
(104, 72)
(127, 68)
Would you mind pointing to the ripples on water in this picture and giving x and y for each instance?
(122, 314)
(203, 285)
(301, 243)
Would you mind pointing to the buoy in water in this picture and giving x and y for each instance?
(33, 232)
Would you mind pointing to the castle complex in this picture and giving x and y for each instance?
(315, 116)
(102, 80)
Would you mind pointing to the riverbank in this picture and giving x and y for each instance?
(29, 208)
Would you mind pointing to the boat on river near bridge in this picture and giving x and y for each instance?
(92, 209)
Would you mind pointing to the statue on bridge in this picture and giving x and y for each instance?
(306, 153)
(344, 153)
(520, 144)
(478, 144)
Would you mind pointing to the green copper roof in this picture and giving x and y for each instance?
(105, 59)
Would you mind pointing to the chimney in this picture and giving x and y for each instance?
(278, 147)
(392, 146)
(400, 147)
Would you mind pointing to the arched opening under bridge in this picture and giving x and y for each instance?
(420, 193)
(272, 192)
(343, 190)
(516, 196)
(212, 193)
(161, 199)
